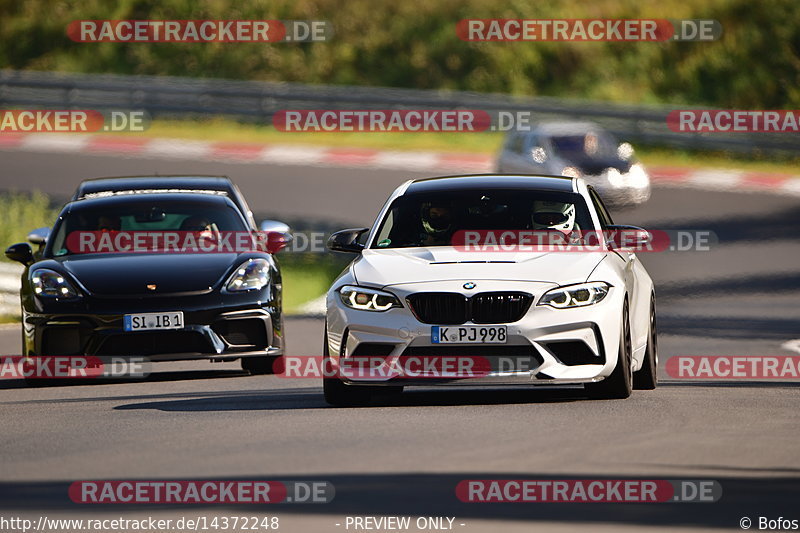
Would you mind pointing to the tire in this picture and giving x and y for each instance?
(336, 392)
(647, 377)
(619, 384)
(258, 365)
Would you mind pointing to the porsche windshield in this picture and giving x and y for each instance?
(432, 220)
(155, 214)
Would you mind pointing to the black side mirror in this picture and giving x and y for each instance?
(20, 252)
(623, 237)
(346, 240)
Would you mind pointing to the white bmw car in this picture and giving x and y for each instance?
(543, 315)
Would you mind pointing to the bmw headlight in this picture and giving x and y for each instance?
(365, 299)
(48, 283)
(579, 295)
(253, 274)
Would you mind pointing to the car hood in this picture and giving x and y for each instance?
(382, 268)
(130, 274)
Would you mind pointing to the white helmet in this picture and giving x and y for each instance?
(553, 215)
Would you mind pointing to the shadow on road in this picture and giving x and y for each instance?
(311, 397)
(780, 329)
(155, 377)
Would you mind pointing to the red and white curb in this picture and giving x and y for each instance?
(322, 156)
(245, 153)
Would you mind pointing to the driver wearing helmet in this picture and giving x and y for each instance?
(437, 223)
(549, 215)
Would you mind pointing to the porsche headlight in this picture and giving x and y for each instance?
(575, 295)
(253, 274)
(48, 283)
(365, 299)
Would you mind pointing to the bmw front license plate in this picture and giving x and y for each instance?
(468, 335)
(149, 321)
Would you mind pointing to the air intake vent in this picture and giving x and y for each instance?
(447, 308)
(440, 307)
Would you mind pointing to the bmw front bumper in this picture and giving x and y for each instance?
(546, 346)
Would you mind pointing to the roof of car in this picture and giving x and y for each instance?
(111, 200)
(490, 181)
(94, 186)
(566, 128)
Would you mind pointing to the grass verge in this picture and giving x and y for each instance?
(10, 319)
(306, 278)
(21, 212)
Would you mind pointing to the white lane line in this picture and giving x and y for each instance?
(792, 346)
(791, 186)
(55, 142)
(289, 154)
(406, 160)
(176, 149)
(716, 178)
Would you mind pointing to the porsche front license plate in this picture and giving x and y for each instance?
(468, 334)
(148, 321)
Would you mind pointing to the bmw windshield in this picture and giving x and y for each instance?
(433, 219)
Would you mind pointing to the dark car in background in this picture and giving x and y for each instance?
(218, 306)
(95, 187)
(578, 150)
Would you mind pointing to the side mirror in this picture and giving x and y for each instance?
(277, 235)
(274, 225)
(346, 241)
(620, 237)
(39, 236)
(20, 252)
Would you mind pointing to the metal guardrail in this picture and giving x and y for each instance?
(253, 101)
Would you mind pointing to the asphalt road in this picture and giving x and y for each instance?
(405, 457)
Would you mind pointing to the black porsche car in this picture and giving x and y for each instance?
(167, 306)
